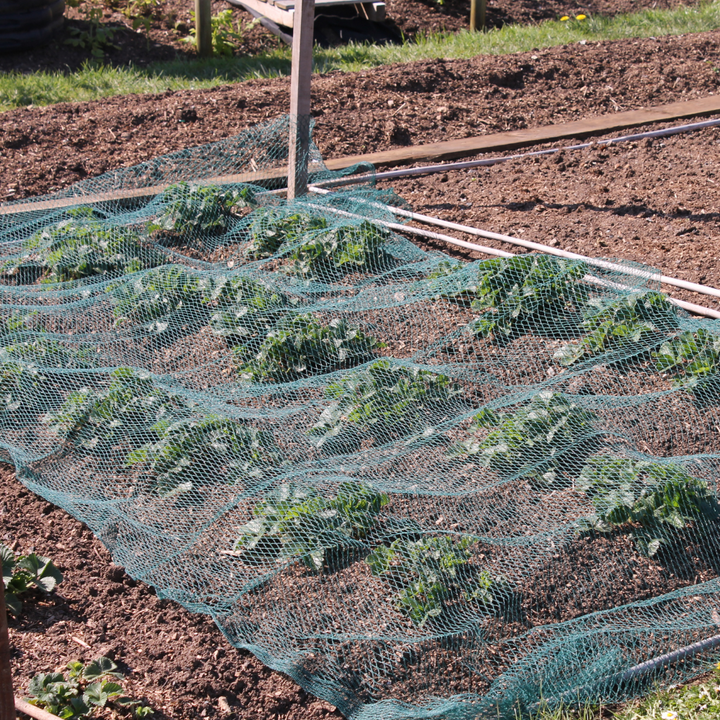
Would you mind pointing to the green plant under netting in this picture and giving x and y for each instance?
(384, 401)
(24, 573)
(526, 291)
(300, 346)
(245, 311)
(121, 413)
(433, 576)
(49, 353)
(189, 209)
(339, 250)
(546, 440)
(298, 522)
(271, 228)
(197, 451)
(693, 359)
(627, 322)
(654, 501)
(25, 389)
(154, 297)
(83, 246)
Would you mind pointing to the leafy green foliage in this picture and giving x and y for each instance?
(300, 346)
(191, 452)
(271, 228)
(189, 209)
(24, 573)
(153, 297)
(298, 522)
(546, 440)
(226, 37)
(514, 292)
(245, 311)
(24, 388)
(83, 246)
(97, 37)
(383, 399)
(48, 353)
(625, 321)
(340, 250)
(432, 574)
(655, 501)
(15, 322)
(694, 359)
(97, 420)
(86, 688)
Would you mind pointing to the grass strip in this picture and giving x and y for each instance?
(94, 81)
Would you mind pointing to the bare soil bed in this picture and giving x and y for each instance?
(652, 202)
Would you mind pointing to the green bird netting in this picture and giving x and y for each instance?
(421, 488)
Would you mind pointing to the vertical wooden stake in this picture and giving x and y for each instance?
(478, 9)
(203, 28)
(7, 701)
(299, 140)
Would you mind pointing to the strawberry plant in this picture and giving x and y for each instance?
(272, 227)
(545, 441)
(24, 390)
(339, 250)
(432, 575)
(245, 311)
(526, 291)
(196, 451)
(48, 353)
(163, 298)
(86, 688)
(382, 400)
(693, 358)
(24, 573)
(83, 246)
(193, 209)
(298, 522)
(123, 412)
(624, 322)
(654, 501)
(300, 346)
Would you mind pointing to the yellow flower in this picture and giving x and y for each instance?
(580, 17)
(669, 715)
(564, 18)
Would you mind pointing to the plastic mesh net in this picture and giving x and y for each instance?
(421, 488)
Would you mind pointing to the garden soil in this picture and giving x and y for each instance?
(653, 202)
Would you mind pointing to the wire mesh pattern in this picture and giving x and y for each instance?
(422, 488)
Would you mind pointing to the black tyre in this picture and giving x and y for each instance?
(30, 23)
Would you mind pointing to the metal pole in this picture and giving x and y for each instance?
(203, 28)
(7, 701)
(299, 140)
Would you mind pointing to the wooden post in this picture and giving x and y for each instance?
(203, 28)
(7, 701)
(299, 140)
(477, 14)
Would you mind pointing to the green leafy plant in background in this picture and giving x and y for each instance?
(85, 689)
(299, 522)
(624, 322)
(162, 298)
(97, 38)
(693, 359)
(83, 246)
(189, 209)
(141, 13)
(382, 400)
(654, 501)
(433, 574)
(23, 573)
(524, 290)
(300, 346)
(122, 413)
(244, 311)
(193, 452)
(270, 228)
(226, 37)
(546, 440)
(339, 250)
